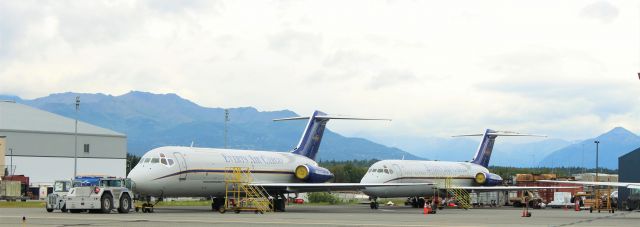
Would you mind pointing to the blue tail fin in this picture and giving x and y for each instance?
(484, 150)
(312, 135)
(483, 155)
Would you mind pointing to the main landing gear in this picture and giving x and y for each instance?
(278, 203)
(374, 203)
(417, 202)
(217, 203)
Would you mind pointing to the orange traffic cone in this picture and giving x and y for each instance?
(426, 209)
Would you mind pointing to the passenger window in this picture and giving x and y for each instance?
(170, 162)
(154, 160)
(163, 161)
(386, 171)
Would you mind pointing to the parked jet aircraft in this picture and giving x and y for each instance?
(472, 175)
(199, 172)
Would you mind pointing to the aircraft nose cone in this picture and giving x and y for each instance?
(134, 174)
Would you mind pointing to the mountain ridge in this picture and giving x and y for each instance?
(613, 144)
(152, 120)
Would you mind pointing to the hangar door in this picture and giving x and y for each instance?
(3, 146)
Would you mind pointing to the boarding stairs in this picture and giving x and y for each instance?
(241, 195)
(461, 196)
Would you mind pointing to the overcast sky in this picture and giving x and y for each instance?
(567, 69)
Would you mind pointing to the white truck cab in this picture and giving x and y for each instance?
(57, 199)
(111, 193)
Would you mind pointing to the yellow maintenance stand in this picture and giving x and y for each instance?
(241, 195)
(461, 195)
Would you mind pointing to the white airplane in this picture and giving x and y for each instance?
(472, 175)
(199, 172)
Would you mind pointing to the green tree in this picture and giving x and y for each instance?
(132, 161)
(323, 197)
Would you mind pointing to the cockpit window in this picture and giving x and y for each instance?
(391, 171)
(386, 171)
(163, 161)
(154, 160)
(379, 170)
(170, 162)
(147, 160)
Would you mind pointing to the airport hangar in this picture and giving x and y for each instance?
(40, 145)
(628, 172)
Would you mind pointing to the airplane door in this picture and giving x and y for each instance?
(182, 164)
(397, 171)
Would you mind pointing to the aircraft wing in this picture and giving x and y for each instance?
(509, 188)
(594, 183)
(329, 187)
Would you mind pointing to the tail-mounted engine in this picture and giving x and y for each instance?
(313, 174)
(488, 179)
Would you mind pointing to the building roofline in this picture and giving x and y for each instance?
(62, 133)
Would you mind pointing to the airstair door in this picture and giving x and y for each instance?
(397, 172)
(182, 164)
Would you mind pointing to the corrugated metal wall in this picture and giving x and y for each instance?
(628, 172)
(34, 144)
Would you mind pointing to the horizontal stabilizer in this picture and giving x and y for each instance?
(502, 133)
(483, 154)
(328, 117)
(312, 135)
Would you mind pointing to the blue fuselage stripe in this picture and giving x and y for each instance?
(221, 171)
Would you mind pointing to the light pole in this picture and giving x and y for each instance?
(75, 144)
(597, 191)
(597, 143)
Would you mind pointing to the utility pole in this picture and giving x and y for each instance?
(75, 144)
(226, 131)
(11, 168)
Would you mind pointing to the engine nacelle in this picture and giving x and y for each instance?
(313, 174)
(488, 179)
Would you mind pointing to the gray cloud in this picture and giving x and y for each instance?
(567, 82)
(388, 78)
(352, 59)
(601, 10)
(296, 43)
(176, 7)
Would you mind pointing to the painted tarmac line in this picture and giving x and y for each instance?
(257, 221)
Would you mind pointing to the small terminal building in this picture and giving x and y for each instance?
(628, 171)
(40, 145)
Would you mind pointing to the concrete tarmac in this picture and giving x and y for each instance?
(321, 215)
